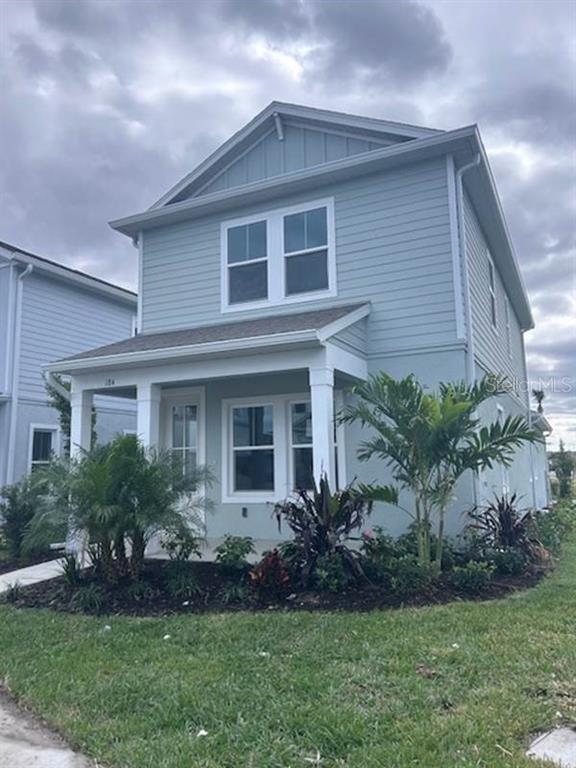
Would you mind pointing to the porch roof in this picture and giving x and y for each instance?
(265, 332)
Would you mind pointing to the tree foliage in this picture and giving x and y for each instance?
(429, 440)
(563, 464)
(62, 404)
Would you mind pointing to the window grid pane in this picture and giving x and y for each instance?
(248, 282)
(306, 272)
(42, 445)
(305, 231)
(247, 242)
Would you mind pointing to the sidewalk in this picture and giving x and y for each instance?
(31, 575)
(25, 742)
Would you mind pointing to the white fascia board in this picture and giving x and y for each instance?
(73, 276)
(263, 343)
(327, 331)
(369, 162)
(297, 111)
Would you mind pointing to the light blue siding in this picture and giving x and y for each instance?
(392, 249)
(301, 148)
(491, 344)
(60, 319)
(354, 338)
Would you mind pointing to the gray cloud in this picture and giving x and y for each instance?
(107, 103)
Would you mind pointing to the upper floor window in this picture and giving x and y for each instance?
(492, 291)
(281, 256)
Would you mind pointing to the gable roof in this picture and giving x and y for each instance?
(315, 326)
(20, 256)
(272, 118)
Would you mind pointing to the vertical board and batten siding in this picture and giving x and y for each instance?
(300, 148)
(392, 248)
(491, 344)
(60, 319)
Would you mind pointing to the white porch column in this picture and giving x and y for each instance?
(322, 401)
(148, 414)
(80, 421)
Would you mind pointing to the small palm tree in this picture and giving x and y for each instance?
(116, 497)
(429, 441)
(539, 395)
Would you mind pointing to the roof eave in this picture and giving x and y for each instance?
(357, 164)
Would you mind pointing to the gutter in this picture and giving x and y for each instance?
(15, 373)
(470, 357)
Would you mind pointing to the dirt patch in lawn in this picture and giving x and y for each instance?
(208, 587)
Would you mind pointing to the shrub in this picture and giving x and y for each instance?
(233, 553)
(141, 591)
(408, 577)
(473, 578)
(181, 543)
(500, 525)
(271, 577)
(331, 573)
(379, 550)
(91, 598)
(322, 523)
(551, 526)
(18, 505)
(507, 562)
(71, 570)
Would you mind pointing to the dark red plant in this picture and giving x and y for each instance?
(270, 576)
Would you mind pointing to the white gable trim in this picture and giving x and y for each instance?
(296, 111)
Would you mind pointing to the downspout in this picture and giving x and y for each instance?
(15, 374)
(470, 357)
(470, 361)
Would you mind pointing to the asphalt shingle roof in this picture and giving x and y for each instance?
(241, 329)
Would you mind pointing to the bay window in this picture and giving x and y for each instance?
(280, 256)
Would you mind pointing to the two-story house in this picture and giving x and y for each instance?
(312, 248)
(47, 311)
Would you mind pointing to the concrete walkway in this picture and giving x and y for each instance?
(31, 575)
(26, 743)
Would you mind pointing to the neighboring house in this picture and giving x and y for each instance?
(49, 311)
(313, 248)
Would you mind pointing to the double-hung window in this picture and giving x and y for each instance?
(301, 445)
(492, 291)
(43, 446)
(306, 252)
(247, 262)
(253, 448)
(280, 256)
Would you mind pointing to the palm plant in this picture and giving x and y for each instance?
(116, 497)
(429, 440)
(539, 395)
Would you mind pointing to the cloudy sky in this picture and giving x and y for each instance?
(106, 103)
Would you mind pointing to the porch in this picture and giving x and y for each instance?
(258, 412)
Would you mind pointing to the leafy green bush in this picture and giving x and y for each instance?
(408, 577)
(473, 578)
(379, 550)
(270, 577)
(552, 526)
(233, 553)
(322, 523)
(234, 593)
(141, 591)
(181, 543)
(507, 562)
(13, 592)
(331, 573)
(18, 505)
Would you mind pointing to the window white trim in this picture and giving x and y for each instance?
(282, 445)
(56, 440)
(188, 396)
(275, 256)
(492, 292)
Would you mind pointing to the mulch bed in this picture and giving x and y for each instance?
(153, 599)
(10, 564)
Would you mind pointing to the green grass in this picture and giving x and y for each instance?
(274, 689)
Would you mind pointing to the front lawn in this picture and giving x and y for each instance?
(464, 684)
